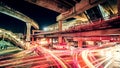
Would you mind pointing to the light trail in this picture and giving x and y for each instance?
(103, 61)
(55, 57)
(84, 56)
(108, 64)
(81, 58)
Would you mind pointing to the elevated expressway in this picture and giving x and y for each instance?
(98, 28)
(12, 37)
(13, 13)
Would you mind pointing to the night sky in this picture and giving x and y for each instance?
(42, 16)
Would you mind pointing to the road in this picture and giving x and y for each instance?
(40, 57)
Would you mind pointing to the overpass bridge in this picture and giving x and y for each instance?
(20, 16)
(12, 38)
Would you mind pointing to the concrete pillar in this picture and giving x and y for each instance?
(118, 5)
(28, 31)
(60, 29)
(60, 39)
(28, 35)
(51, 41)
(32, 39)
(60, 25)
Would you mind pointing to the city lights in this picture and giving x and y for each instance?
(45, 29)
(75, 34)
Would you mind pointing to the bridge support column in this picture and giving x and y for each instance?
(60, 39)
(80, 41)
(60, 29)
(28, 35)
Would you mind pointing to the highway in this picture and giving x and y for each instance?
(40, 57)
